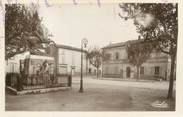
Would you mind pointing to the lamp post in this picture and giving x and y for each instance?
(83, 42)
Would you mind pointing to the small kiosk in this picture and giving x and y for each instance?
(39, 72)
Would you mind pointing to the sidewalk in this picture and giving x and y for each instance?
(126, 79)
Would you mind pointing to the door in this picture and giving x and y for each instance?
(73, 70)
(157, 71)
(121, 73)
(128, 72)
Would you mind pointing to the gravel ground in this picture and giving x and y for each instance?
(99, 95)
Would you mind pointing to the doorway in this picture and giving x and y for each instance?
(128, 72)
(121, 73)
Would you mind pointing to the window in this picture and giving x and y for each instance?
(117, 55)
(141, 70)
(156, 70)
(73, 59)
(62, 57)
(107, 57)
(62, 69)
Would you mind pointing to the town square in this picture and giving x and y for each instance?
(91, 56)
(99, 95)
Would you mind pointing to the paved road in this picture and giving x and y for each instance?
(99, 95)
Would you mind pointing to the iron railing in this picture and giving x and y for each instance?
(33, 81)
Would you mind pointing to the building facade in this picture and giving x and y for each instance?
(117, 65)
(68, 59)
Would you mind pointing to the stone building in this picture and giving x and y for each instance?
(117, 65)
(68, 59)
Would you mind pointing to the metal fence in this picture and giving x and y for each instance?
(34, 81)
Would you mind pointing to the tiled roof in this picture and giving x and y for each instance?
(68, 47)
(114, 45)
(120, 44)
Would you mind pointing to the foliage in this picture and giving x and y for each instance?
(138, 52)
(95, 57)
(157, 23)
(23, 30)
(164, 26)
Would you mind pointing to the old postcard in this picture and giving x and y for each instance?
(77, 56)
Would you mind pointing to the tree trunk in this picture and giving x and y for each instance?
(97, 72)
(170, 90)
(138, 68)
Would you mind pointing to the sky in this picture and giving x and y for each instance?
(102, 25)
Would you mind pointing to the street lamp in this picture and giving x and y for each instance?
(83, 42)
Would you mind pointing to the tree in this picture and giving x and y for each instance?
(157, 23)
(138, 52)
(95, 57)
(23, 30)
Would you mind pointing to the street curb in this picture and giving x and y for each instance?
(130, 80)
(37, 91)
